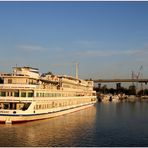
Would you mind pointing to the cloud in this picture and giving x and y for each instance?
(94, 53)
(107, 53)
(97, 49)
(86, 42)
(31, 48)
(136, 52)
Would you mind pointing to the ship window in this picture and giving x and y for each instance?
(19, 106)
(3, 94)
(41, 94)
(40, 106)
(6, 106)
(12, 105)
(9, 94)
(37, 94)
(94, 94)
(26, 105)
(30, 94)
(16, 94)
(9, 81)
(37, 107)
(23, 94)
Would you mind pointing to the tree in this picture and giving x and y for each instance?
(132, 90)
(104, 89)
(47, 73)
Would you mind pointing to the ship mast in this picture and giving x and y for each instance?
(76, 70)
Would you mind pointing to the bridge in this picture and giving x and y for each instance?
(120, 80)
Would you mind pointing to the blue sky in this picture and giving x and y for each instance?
(108, 39)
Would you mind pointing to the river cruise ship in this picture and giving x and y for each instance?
(25, 95)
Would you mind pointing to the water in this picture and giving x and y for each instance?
(105, 124)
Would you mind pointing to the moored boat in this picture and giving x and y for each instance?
(25, 95)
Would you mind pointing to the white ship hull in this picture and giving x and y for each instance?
(8, 119)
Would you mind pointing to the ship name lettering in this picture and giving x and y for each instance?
(4, 111)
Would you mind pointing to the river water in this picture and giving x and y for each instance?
(105, 124)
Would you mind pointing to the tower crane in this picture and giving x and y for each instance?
(139, 72)
(137, 75)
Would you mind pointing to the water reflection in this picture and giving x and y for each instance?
(67, 130)
(123, 124)
(109, 124)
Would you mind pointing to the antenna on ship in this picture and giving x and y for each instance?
(77, 64)
(16, 70)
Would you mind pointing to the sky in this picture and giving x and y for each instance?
(107, 39)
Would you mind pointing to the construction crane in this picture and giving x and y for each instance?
(139, 72)
(137, 75)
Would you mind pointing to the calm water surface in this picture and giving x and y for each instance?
(105, 124)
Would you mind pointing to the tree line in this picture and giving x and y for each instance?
(131, 90)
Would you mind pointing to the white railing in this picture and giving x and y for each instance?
(17, 86)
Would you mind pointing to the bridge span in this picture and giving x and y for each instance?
(120, 80)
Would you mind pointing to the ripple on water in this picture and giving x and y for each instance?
(112, 124)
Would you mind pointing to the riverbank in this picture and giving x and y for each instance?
(120, 97)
